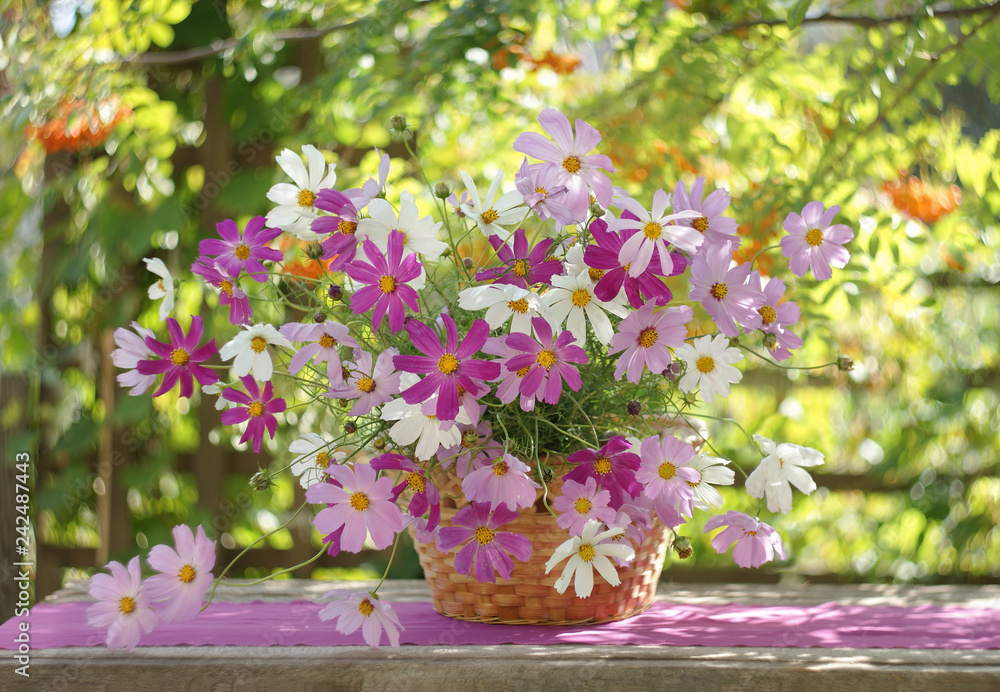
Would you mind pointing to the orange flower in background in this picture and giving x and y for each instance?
(296, 263)
(78, 125)
(920, 200)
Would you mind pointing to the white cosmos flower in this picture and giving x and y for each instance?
(571, 300)
(313, 458)
(709, 366)
(504, 302)
(131, 349)
(419, 233)
(573, 263)
(779, 470)
(249, 348)
(164, 288)
(418, 423)
(588, 552)
(296, 200)
(490, 214)
(713, 471)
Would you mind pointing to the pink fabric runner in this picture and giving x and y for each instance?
(297, 624)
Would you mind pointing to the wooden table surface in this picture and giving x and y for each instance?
(508, 667)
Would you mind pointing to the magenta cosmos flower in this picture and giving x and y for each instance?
(548, 362)
(575, 167)
(488, 551)
(122, 605)
(664, 471)
(723, 292)
(387, 278)
(230, 292)
(446, 368)
(245, 250)
(424, 495)
(322, 342)
(812, 243)
(499, 481)
(612, 467)
(644, 337)
(658, 233)
(522, 266)
(580, 503)
(776, 316)
(371, 385)
(185, 574)
(362, 505)
(712, 224)
(611, 274)
(180, 358)
(257, 406)
(341, 244)
(756, 542)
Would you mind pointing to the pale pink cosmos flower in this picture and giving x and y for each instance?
(756, 542)
(367, 612)
(371, 385)
(321, 343)
(487, 551)
(644, 336)
(775, 316)
(711, 223)
(580, 503)
(501, 481)
(664, 471)
(122, 606)
(813, 243)
(541, 191)
(724, 292)
(476, 444)
(575, 167)
(510, 383)
(185, 574)
(659, 233)
(362, 505)
(131, 349)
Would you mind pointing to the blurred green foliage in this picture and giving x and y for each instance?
(881, 117)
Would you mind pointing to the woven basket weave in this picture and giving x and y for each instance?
(530, 598)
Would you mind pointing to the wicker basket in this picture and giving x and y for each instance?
(530, 598)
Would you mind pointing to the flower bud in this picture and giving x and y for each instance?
(470, 437)
(469, 264)
(633, 407)
(398, 122)
(597, 210)
(734, 342)
(379, 443)
(770, 341)
(441, 190)
(260, 481)
(673, 371)
(336, 292)
(314, 251)
(845, 363)
(682, 547)
(350, 428)
(319, 317)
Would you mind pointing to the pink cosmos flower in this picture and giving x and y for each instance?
(131, 350)
(487, 551)
(812, 243)
(387, 278)
(541, 191)
(362, 505)
(424, 495)
(258, 406)
(716, 228)
(644, 337)
(230, 293)
(371, 188)
(659, 232)
(723, 292)
(341, 245)
(612, 468)
(367, 612)
(371, 386)
(180, 358)
(756, 542)
(664, 471)
(476, 445)
(510, 383)
(580, 503)
(501, 481)
(549, 362)
(775, 316)
(575, 167)
(448, 368)
(122, 605)
(244, 250)
(185, 574)
(324, 340)
(611, 274)
(522, 266)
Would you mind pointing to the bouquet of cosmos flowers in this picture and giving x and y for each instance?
(523, 337)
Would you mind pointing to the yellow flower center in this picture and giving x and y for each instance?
(519, 306)
(359, 502)
(161, 286)
(652, 230)
(648, 337)
(500, 468)
(416, 481)
(242, 252)
(126, 605)
(571, 164)
(581, 297)
(695, 484)
(587, 552)
(179, 356)
(256, 409)
(326, 341)
(366, 385)
(187, 574)
(546, 359)
(258, 344)
(767, 314)
(667, 470)
(387, 284)
(346, 227)
(307, 198)
(542, 191)
(322, 460)
(705, 364)
(523, 371)
(700, 224)
(366, 608)
(814, 237)
(602, 467)
(582, 505)
(719, 291)
(521, 268)
(447, 363)
(489, 216)
(595, 274)
(484, 535)
(226, 287)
